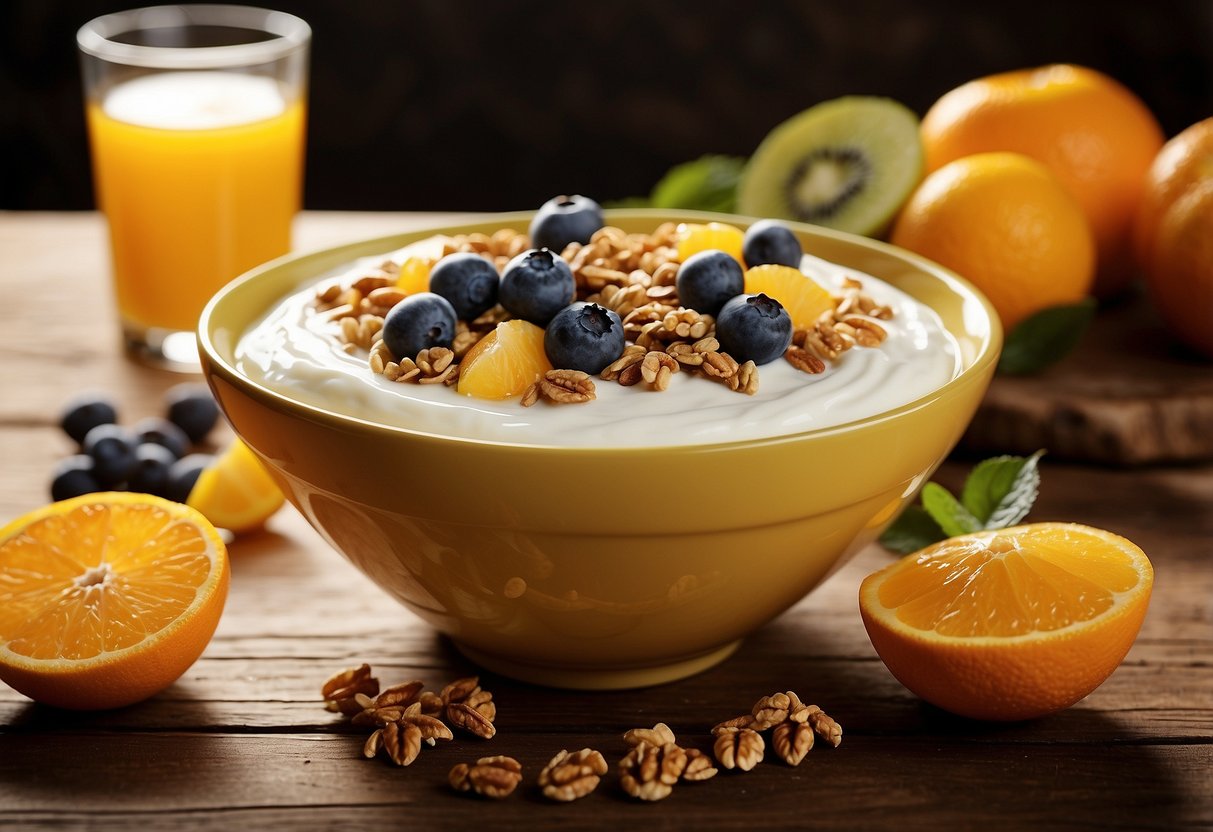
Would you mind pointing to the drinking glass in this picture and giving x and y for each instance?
(196, 118)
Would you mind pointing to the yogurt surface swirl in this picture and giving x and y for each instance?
(296, 352)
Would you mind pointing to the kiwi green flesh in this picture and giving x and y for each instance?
(849, 164)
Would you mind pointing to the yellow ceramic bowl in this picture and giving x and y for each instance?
(650, 569)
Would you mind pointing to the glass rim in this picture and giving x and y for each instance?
(290, 33)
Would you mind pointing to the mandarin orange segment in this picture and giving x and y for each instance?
(803, 297)
(236, 492)
(107, 599)
(696, 237)
(414, 275)
(505, 362)
(1012, 624)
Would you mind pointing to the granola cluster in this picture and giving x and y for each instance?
(632, 274)
(406, 717)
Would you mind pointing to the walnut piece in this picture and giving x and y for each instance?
(566, 386)
(699, 766)
(469, 707)
(659, 735)
(341, 688)
(649, 772)
(792, 741)
(568, 777)
(740, 748)
(494, 777)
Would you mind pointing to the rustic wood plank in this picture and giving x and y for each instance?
(865, 783)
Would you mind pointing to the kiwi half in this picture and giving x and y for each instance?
(848, 163)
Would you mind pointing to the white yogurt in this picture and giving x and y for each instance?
(296, 352)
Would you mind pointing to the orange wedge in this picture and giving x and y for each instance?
(697, 237)
(1010, 624)
(803, 297)
(107, 599)
(236, 492)
(414, 275)
(505, 362)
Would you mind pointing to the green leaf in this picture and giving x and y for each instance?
(707, 184)
(992, 480)
(1018, 498)
(628, 202)
(947, 511)
(1045, 337)
(912, 530)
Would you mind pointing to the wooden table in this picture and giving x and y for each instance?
(241, 741)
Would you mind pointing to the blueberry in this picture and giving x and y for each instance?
(418, 322)
(563, 220)
(707, 279)
(162, 432)
(112, 449)
(192, 408)
(73, 477)
(469, 281)
(152, 464)
(754, 328)
(182, 475)
(770, 241)
(536, 285)
(584, 336)
(84, 412)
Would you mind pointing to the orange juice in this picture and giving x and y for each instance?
(199, 175)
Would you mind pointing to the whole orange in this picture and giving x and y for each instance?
(1180, 270)
(1183, 163)
(1005, 223)
(1092, 132)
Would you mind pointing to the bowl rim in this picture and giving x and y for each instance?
(213, 362)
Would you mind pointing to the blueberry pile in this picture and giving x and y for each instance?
(157, 455)
(538, 286)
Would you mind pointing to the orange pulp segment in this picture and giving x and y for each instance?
(236, 492)
(804, 298)
(414, 275)
(505, 362)
(697, 237)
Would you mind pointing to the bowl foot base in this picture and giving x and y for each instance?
(599, 678)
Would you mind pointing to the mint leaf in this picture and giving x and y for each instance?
(1018, 498)
(999, 492)
(912, 530)
(947, 511)
(995, 480)
(707, 184)
(1045, 337)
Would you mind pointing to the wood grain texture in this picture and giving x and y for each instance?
(1129, 394)
(242, 741)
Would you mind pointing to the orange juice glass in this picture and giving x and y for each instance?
(196, 119)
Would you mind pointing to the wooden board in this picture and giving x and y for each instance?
(1127, 395)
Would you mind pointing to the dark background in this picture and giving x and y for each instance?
(461, 105)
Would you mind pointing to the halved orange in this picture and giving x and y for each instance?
(106, 599)
(1010, 624)
(803, 297)
(696, 237)
(236, 492)
(505, 362)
